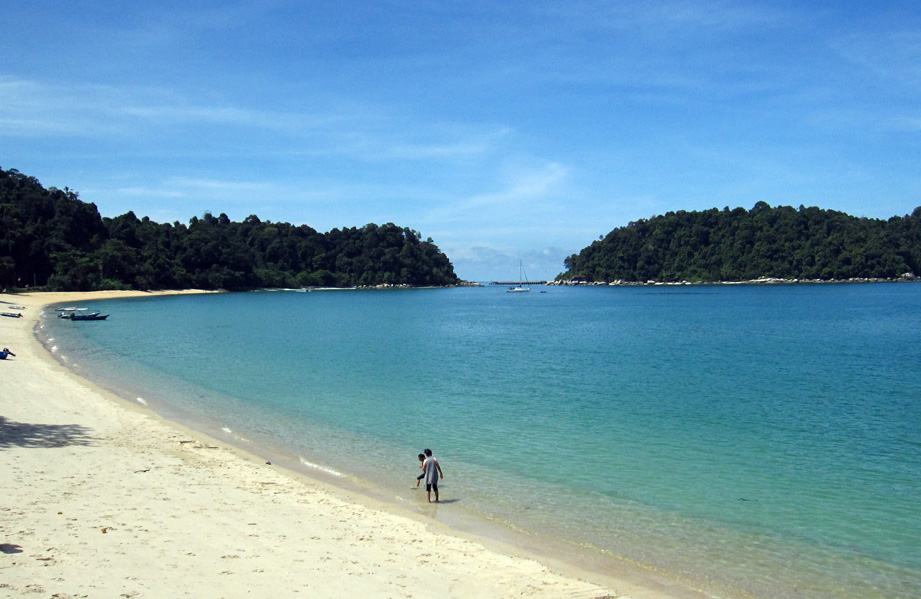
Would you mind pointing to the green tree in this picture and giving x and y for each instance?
(741, 244)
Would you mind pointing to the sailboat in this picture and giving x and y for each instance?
(522, 281)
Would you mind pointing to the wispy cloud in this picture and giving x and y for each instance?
(151, 192)
(384, 139)
(31, 108)
(523, 186)
(225, 190)
(893, 57)
(95, 109)
(489, 232)
(907, 123)
(452, 145)
(684, 18)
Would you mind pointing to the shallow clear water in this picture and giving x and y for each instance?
(753, 441)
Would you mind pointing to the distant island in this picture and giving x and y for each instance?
(50, 239)
(764, 244)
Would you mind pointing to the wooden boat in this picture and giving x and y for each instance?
(4, 353)
(11, 314)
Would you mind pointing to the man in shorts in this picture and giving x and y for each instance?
(432, 473)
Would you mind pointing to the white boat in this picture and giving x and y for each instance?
(521, 287)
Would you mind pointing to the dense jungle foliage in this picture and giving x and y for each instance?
(742, 245)
(50, 238)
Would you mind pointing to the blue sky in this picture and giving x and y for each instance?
(505, 131)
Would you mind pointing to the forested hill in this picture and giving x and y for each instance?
(50, 238)
(742, 245)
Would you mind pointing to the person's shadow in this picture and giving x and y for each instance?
(23, 434)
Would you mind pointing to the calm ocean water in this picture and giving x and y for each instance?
(751, 441)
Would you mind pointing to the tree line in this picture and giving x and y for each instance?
(741, 245)
(51, 239)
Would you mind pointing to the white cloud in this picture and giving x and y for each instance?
(522, 187)
(893, 57)
(31, 109)
(146, 119)
(910, 124)
(149, 192)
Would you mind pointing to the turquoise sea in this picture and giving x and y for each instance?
(750, 441)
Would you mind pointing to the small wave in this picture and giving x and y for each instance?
(142, 401)
(54, 348)
(238, 438)
(320, 468)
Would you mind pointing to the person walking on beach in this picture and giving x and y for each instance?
(432, 473)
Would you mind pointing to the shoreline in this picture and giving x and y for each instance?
(763, 281)
(97, 478)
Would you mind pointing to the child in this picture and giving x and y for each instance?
(421, 465)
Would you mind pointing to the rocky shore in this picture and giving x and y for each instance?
(907, 277)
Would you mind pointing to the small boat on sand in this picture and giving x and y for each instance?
(11, 314)
(5, 352)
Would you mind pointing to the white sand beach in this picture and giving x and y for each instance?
(101, 498)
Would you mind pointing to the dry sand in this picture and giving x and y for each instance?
(104, 499)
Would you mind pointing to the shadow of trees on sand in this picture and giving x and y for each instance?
(22, 434)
